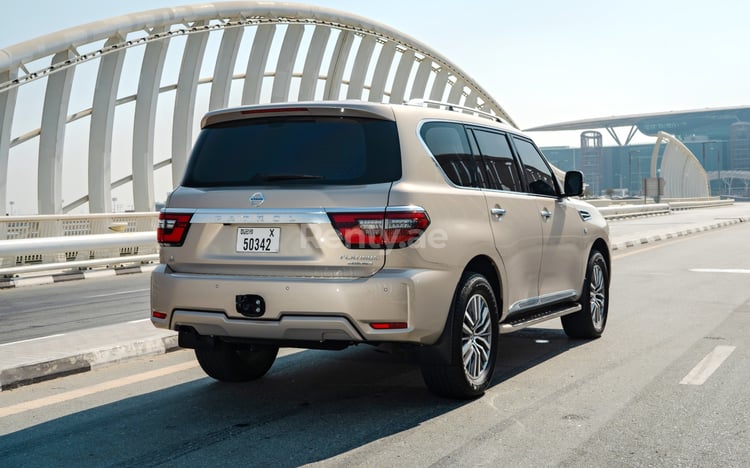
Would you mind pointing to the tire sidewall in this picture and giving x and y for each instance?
(597, 259)
(471, 285)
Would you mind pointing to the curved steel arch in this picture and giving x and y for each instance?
(365, 60)
(684, 176)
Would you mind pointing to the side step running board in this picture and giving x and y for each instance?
(529, 320)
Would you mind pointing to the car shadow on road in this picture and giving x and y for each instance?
(312, 406)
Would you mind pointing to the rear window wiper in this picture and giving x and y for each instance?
(278, 177)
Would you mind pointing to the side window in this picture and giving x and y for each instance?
(449, 144)
(497, 157)
(539, 176)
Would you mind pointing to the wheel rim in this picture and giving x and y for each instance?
(597, 296)
(476, 339)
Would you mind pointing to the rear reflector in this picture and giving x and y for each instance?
(377, 230)
(158, 315)
(389, 325)
(172, 228)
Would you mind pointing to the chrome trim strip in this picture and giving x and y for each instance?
(541, 301)
(259, 216)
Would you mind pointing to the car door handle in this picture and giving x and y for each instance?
(497, 212)
(545, 214)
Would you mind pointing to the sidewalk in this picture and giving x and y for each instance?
(31, 361)
(27, 362)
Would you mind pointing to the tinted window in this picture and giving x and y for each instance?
(295, 150)
(450, 146)
(497, 156)
(539, 177)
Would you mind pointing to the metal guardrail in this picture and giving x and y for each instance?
(64, 242)
(691, 204)
(627, 210)
(59, 242)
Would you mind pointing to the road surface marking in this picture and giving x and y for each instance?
(707, 366)
(140, 320)
(720, 270)
(117, 293)
(32, 339)
(104, 386)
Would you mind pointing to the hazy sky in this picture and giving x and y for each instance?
(544, 61)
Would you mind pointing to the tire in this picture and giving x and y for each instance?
(465, 370)
(229, 363)
(590, 321)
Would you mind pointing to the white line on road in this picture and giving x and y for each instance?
(720, 270)
(117, 293)
(707, 366)
(112, 384)
(140, 320)
(32, 339)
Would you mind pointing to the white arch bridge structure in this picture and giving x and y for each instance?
(189, 60)
(145, 80)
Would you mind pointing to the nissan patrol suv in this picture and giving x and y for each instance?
(330, 224)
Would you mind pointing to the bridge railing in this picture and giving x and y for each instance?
(618, 209)
(49, 242)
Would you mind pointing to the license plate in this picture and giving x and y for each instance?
(258, 239)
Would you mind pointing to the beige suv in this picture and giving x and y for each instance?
(330, 224)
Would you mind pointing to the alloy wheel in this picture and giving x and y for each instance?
(476, 339)
(597, 296)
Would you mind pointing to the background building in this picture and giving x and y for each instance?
(719, 138)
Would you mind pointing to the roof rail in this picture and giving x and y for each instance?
(454, 107)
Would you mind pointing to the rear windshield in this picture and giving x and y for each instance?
(295, 151)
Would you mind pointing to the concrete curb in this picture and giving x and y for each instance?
(33, 361)
(672, 235)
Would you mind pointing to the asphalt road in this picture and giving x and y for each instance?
(36, 311)
(630, 398)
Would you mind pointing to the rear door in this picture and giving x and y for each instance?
(261, 190)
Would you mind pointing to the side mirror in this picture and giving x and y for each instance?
(573, 183)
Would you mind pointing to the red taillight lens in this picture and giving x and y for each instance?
(377, 230)
(389, 325)
(172, 228)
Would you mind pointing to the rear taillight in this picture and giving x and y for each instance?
(172, 228)
(377, 230)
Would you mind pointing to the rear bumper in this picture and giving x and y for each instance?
(307, 309)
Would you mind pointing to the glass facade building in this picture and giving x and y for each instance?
(719, 139)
